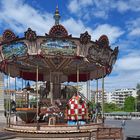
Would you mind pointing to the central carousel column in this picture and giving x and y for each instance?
(56, 80)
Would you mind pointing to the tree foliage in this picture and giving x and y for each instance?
(111, 107)
(129, 104)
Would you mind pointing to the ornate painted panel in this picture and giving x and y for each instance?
(94, 52)
(14, 50)
(63, 47)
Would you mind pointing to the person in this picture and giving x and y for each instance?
(123, 123)
(93, 116)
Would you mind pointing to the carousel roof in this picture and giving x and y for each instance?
(56, 51)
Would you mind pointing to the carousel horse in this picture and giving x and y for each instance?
(13, 106)
(45, 91)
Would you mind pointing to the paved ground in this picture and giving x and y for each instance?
(131, 128)
(3, 134)
(2, 120)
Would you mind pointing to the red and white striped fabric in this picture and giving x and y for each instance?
(76, 110)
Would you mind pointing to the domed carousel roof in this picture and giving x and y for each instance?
(56, 52)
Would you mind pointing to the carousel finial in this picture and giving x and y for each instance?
(56, 16)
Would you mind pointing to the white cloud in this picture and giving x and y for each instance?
(128, 63)
(135, 32)
(101, 8)
(134, 27)
(80, 8)
(122, 80)
(77, 27)
(122, 6)
(100, 14)
(111, 31)
(130, 5)
(19, 16)
(73, 6)
(16, 14)
(126, 72)
(117, 80)
(76, 5)
(134, 23)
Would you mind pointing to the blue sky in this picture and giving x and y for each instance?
(118, 19)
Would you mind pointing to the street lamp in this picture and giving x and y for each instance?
(136, 104)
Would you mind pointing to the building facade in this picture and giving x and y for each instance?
(119, 95)
(97, 96)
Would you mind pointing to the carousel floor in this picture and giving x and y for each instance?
(63, 130)
(85, 132)
(58, 128)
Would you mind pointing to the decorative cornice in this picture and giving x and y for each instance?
(30, 35)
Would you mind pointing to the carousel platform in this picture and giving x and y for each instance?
(59, 128)
(65, 132)
(54, 131)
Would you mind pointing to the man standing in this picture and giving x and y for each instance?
(123, 123)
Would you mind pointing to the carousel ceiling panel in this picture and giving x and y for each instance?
(59, 63)
(34, 60)
(82, 65)
(23, 63)
(82, 69)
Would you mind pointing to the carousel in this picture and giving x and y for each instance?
(55, 58)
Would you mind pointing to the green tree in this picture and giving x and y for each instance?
(111, 107)
(129, 104)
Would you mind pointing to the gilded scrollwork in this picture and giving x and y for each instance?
(105, 55)
(113, 57)
(85, 38)
(31, 41)
(30, 35)
(8, 36)
(94, 52)
(103, 41)
(58, 31)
